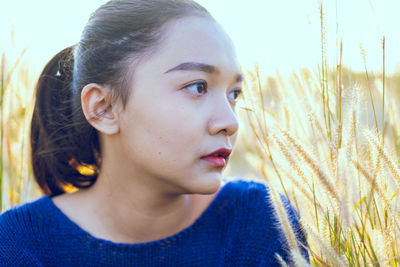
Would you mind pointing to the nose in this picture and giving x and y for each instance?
(223, 119)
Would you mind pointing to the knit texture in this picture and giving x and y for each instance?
(237, 229)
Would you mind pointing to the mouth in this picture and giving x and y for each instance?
(218, 158)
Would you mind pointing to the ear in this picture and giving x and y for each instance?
(99, 112)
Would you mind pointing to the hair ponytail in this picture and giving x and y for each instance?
(54, 140)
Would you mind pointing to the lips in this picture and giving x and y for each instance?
(218, 157)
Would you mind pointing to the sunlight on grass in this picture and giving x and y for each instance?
(331, 137)
(328, 138)
(16, 182)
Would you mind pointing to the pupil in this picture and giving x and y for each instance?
(200, 87)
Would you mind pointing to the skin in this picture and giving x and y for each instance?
(152, 182)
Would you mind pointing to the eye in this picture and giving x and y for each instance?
(198, 88)
(235, 94)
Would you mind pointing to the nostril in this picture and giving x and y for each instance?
(221, 125)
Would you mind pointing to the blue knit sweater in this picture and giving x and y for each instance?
(237, 229)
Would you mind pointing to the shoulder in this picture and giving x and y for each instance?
(22, 216)
(257, 225)
(242, 186)
(257, 194)
(250, 204)
(19, 228)
(252, 196)
(15, 256)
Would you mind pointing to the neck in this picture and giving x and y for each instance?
(129, 205)
(123, 215)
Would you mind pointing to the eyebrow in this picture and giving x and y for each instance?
(197, 66)
(194, 66)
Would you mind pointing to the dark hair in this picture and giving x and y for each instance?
(116, 35)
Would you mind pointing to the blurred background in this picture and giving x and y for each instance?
(283, 35)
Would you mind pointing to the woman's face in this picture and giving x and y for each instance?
(182, 107)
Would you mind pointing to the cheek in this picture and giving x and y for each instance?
(163, 130)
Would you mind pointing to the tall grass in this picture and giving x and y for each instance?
(16, 85)
(332, 140)
(344, 182)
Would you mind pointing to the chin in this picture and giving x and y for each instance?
(206, 185)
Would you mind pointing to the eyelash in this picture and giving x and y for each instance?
(238, 91)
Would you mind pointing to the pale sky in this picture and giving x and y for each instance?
(281, 35)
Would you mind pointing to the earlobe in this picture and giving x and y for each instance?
(97, 108)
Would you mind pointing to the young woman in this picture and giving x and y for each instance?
(146, 100)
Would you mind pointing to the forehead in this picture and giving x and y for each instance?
(196, 39)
